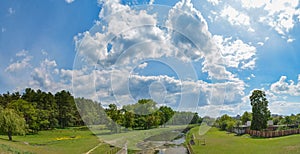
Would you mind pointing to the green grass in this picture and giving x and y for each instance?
(78, 141)
(60, 141)
(134, 136)
(223, 142)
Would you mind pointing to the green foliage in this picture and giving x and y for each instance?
(11, 123)
(225, 122)
(28, 111)
(260, 111)
(166, 114)
(182, 118)
(219, 142)
(43, 111)
(146, 115)
(247, 116)
(66, 109)
(91, 112)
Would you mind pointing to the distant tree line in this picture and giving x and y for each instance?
(259, 116)
(146, 115)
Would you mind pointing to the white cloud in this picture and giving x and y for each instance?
(3, 29)
(260, 43)
(22, 53)
(42, 76)
(69, 1)
(251, 76)
(284, 107)
(280, 13)
(290, 40)
(283, 87)
(236, 53)
(19, 65)
(151, 2)
(253, 3)
(143, 65)
(214, 2)
(235, 17)
(127, 38)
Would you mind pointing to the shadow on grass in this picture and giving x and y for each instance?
(4, 139)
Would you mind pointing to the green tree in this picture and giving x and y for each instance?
(11, 123)
(166, 114)
(223, 122)
(288, 120)
(28, 111)
(247, 116)
(128, 120)
(66, 109)
(115, 118)
(260, 111)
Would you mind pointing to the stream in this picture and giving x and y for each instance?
(162, 143)
(176, 147)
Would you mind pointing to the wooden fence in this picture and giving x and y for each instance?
(269, 134)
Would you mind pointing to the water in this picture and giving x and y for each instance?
(172, 150)
(178, 148)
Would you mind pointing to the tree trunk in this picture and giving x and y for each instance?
(9, 135)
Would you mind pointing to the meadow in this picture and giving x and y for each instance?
(82, 140)
(59, 141)
(215, 141)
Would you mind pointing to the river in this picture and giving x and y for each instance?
(175, 147)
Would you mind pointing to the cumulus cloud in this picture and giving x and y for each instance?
(236, 53)
(281, 14)
(284, 107)
(20, 65)
(283, 87)
(235, 17)
(126, 38)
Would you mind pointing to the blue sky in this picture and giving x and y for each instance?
(200, 55)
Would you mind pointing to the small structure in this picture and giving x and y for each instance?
(248, 123)
(241, 129)
(270, 123)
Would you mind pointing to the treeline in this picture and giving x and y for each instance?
(225, 122)
(142, 115)
(41, 110)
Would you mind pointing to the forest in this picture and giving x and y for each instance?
(36, 110)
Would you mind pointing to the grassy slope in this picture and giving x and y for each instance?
(222, 142)
(73, 141)
(135, 136)
(62, 141)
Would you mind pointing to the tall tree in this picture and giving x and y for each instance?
(260, 111)
(11, 123)
(66, 108)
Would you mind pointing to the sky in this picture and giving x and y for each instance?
(205, 56)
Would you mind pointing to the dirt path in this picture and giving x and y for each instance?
(94, 148)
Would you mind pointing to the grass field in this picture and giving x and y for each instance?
(222, 142)
(60, 141)
(131, 138)
(78, 141)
